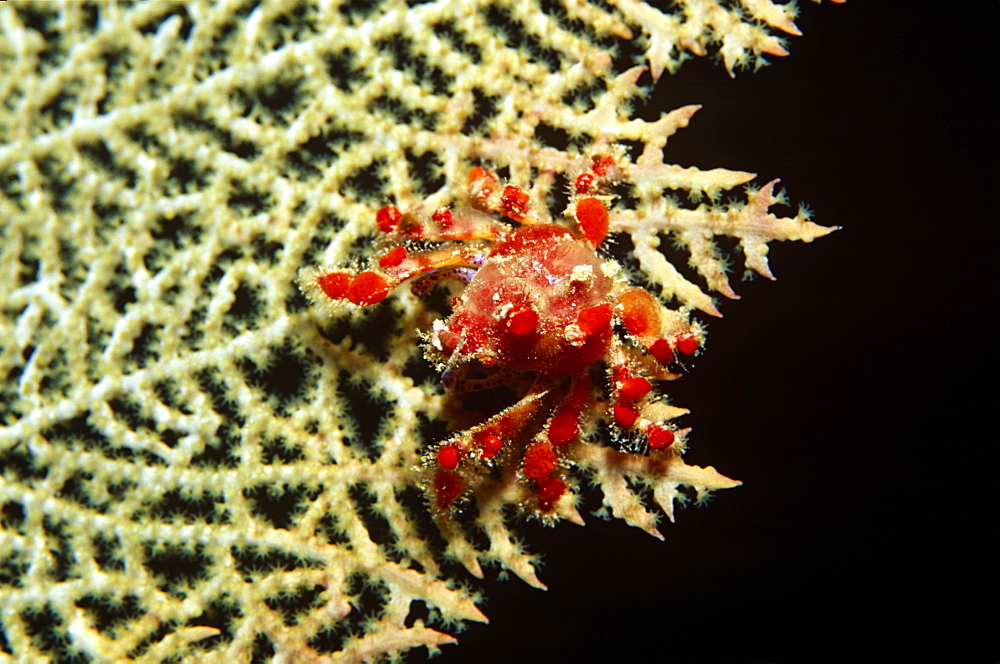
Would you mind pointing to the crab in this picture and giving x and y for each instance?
(543, 307)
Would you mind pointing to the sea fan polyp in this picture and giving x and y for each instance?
(538, 301)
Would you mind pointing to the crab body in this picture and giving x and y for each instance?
(539, 302)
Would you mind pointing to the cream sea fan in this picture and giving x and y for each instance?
(197, 465)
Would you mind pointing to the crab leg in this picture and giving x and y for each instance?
(388, 271)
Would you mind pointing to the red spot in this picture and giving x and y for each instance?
(447, 457)
(584, 181)
(367, 288)
(522, 321)
(334, 284)
(633, 388)
(687, 344)
(660, 437)
(393, 257)
(602, 163)
(592, 218)
(640, 312)
(625, 416)
(447, 487)
(564, 427)
(487, 360)
(455, 301)
(514, 202)
(550, 490)
(539, 461)
(594, 320)
(444, 218)
(662, 351)
(387, 218)
(490, 444)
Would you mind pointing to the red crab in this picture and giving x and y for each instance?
(539, 301)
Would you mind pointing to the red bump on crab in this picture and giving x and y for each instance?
(514, 202)
(539, 461)
(367, 288)
(550, 490)
(633, 388)
(334, 284)
(448, 486)
(662, 351)
(489, 446)
(640, 313)
(687, 344)
(592, 218)
(387, 218)
(564, 427)
(448, 457)
(393, 257)
(624, 415)
(660, 437)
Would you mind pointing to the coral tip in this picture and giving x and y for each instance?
(592, 218)
(447, 457)
(367, 288)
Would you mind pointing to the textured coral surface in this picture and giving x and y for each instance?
(195, 464)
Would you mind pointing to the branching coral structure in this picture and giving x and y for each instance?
(199, 463)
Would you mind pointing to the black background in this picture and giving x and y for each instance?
(850, 396)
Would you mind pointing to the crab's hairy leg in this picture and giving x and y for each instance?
(444, 224)
(387, 271)
(460, 464)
